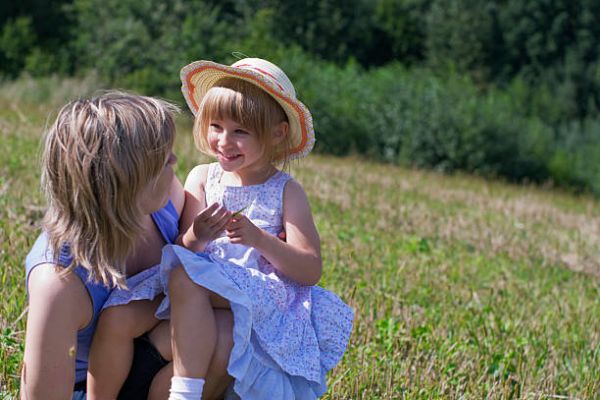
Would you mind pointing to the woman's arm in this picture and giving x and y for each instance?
(58, 307)
(299, 257)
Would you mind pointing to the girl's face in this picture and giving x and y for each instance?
(237, 149)
(156, 193)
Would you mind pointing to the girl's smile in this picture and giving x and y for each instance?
(237, 149)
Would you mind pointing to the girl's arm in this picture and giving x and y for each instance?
(299, 257)
(199, 224)
(58, 307)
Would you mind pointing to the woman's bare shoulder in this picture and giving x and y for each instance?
(49, 287)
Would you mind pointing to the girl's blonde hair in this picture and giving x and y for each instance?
(248, 105)
(98, 156)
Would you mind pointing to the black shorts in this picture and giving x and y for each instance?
(147, 361)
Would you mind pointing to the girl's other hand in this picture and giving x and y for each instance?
(210, 222)
(241, 230)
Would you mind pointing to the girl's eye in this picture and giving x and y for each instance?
(215, 126)
(241, 132)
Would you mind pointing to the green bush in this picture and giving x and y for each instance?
(575, 160)
(17, 39)
(413, 117)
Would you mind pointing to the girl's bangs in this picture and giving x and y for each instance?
(224, 103)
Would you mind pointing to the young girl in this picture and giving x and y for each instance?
(287, 334)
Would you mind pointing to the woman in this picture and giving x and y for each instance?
(113, 203)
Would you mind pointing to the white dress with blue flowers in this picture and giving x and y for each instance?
(286, 336)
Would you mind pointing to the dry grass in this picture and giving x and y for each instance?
(518, 221)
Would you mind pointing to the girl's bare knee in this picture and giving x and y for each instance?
(181, 285)
(129, 320)
(115, 321)
(179, 280)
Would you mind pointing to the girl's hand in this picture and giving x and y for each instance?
(210, 223)
(241, 230)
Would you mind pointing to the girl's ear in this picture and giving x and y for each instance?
(279, 133)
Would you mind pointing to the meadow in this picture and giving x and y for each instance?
(462, 287)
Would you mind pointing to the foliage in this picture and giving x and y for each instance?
(460, 33)
(501, 88)
(414, 117)
(16, 40)
(404, 27)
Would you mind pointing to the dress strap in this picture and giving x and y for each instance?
(279, 180)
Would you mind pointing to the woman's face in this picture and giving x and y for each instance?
(156, 193)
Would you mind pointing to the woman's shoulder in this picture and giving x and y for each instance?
(49, 285)
(41, 253)
(51, 279)
(47, 275)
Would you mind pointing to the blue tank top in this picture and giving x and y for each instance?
(166, 220)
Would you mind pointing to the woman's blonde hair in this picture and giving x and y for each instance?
(98, 156)
(248, 105)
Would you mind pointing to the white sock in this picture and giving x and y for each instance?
(183, 388)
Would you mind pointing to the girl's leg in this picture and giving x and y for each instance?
(111, 353)
(192, 317)
(217, 378)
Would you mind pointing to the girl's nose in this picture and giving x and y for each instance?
(224, 137)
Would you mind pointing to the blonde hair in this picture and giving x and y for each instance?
(98, 156)
(248, 105)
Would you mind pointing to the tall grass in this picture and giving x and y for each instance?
(463, 288)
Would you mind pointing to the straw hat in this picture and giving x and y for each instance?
(198, 77)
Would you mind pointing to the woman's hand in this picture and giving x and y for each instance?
(241, 230)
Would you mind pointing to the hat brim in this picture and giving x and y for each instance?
(198, 77)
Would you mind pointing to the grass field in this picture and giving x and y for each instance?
(462, 287)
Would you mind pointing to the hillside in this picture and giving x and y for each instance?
(460, 285)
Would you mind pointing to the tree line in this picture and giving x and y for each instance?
(504, 88)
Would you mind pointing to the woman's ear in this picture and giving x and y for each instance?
(280, 132)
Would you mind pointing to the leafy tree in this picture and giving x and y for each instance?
(403, 24)
(144, 44)
(330, 29)
(459, 34)
(35, 36)
(17, 39)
